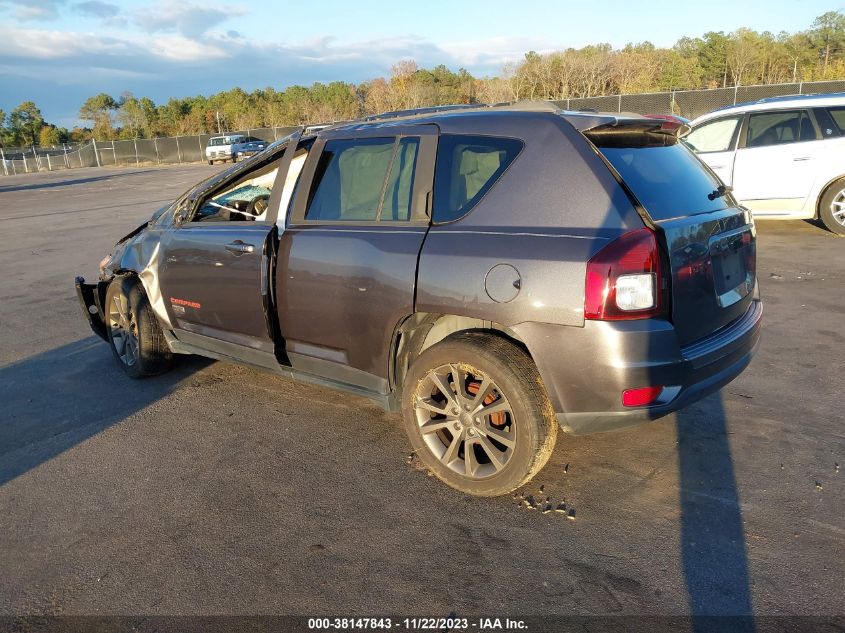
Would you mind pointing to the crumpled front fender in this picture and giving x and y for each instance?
(141, 255)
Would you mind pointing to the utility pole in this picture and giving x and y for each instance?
(219, 131)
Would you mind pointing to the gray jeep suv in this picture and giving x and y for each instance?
(495, 273)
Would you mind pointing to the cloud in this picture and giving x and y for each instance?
(60, 69)
(40, 44)
(179, 48)
(187, 18)
(33, 10)
(97, 9)
(496, 51)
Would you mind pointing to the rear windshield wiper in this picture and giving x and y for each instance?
(720, 191)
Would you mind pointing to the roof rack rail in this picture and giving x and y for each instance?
(395, 114)
(778, 98)
(547, 106)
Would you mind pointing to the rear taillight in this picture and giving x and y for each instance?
(625, 279)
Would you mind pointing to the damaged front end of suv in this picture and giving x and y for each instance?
(136, 252)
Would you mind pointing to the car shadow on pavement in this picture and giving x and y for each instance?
(60, 398)
(65, 183)
(713, 549)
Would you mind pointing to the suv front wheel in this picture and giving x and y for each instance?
(477, 414)
(134, 334)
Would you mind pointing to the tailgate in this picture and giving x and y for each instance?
(712, 258)
(710, 241)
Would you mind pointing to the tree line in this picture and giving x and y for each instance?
(714, 60)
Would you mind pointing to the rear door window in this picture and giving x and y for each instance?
(466, 168)
(349, 179)
(713, 136)
(779, 128)
(838, 117)
(667, 179)
(364, 180)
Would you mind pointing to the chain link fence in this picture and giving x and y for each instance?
(191, 149)
(162, 150)
(693, 103)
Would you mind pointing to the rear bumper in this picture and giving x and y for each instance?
(585, 370)
(91, 298)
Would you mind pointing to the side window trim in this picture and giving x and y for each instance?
(396, 141)
(274, 203)
(743, 132)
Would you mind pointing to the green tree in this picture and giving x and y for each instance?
(132, 117)
(99, 111)
(49, 136)
(828, 36)
(25, 122)
(3, 131)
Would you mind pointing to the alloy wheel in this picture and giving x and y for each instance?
(465, 420)
(124, 330)
(837, 207)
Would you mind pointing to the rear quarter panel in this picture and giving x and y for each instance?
(549, 213)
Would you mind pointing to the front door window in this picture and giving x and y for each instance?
(244, 201)
(715, 136)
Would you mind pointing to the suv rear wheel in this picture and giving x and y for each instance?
(477, 414)
(832, 207)
(134, 333)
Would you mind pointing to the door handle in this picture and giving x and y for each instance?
(239, 248)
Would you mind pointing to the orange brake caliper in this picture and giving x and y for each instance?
(496, 419)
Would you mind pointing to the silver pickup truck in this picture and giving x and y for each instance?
(232, 147)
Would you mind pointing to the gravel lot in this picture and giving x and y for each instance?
(217, 489)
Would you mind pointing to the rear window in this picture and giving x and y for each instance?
(467, 167)
(668, 180)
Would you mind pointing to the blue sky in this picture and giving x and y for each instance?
(58, 52)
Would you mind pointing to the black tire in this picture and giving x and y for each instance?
(517, 384)
(211, 162)
(149, 355)
(835, 192)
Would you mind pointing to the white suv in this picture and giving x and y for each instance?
(784, 157)
(223, 147)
